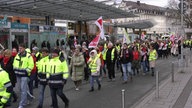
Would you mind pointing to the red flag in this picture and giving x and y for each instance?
(94, 42)
(99, 23)
(172, 37)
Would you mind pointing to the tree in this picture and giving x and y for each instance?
(173, 4)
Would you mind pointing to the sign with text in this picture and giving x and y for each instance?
(19, 26)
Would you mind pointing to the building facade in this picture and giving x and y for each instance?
(166, 20)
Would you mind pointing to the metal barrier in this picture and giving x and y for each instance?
(157, 84)
(172, 72)
(123, 98)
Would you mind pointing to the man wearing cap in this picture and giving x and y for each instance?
(57, 76)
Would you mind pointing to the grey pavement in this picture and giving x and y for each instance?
(177, 94)
(140, 93)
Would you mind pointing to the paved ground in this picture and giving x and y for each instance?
(177, 94)
(138, 94)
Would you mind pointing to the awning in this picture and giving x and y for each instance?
(83, 10)
(139, 24)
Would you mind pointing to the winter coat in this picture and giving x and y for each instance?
(9, 69)
(98, 63)
(77, 65)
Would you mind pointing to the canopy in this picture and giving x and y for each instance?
(76, 10)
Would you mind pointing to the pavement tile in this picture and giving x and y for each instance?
(169, 92)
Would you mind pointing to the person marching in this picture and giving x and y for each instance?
(111, 55)
(126, 58)
(22, 65)
(5, 87)
(152, 58)
(7, 65)
(94, 63)
(42, 66)
(77, 64)
(57, 77)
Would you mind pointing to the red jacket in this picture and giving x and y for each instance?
(135, 55)
(34, 70)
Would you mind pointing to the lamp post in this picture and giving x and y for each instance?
(182, 34)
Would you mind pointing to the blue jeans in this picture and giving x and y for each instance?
(92, 78)
(23, 86)
(31, 81)
(126, 70)
(41, 94)
(145, 66)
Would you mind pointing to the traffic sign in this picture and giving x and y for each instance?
(184, 6)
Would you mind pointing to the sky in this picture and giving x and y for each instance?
(161, 3)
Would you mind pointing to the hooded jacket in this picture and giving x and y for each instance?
(94, 59)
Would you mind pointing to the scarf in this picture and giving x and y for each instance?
(5, 60)
(14, 54)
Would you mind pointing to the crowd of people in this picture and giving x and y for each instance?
(29, 68)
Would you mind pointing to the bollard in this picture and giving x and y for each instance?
(172, 71)
(123, 98)
(157, 84)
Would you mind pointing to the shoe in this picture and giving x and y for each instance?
(91, 90)
(99, 87)
(20, 107)
(124, 82)
(77, 89)
(67, 105)
(39, 106)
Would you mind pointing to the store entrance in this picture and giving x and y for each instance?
(19, 38)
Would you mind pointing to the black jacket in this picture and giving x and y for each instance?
(127, 56)
(9, 69)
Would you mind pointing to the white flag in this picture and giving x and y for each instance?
(99, 23)
(126, 38)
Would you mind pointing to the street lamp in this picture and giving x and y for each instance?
(182, 34)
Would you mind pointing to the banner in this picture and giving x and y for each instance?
(142, 36)
(126, 38)
(99, 23)
(94, 42)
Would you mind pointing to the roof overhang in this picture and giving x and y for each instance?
(139, 24)
(83, 10)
